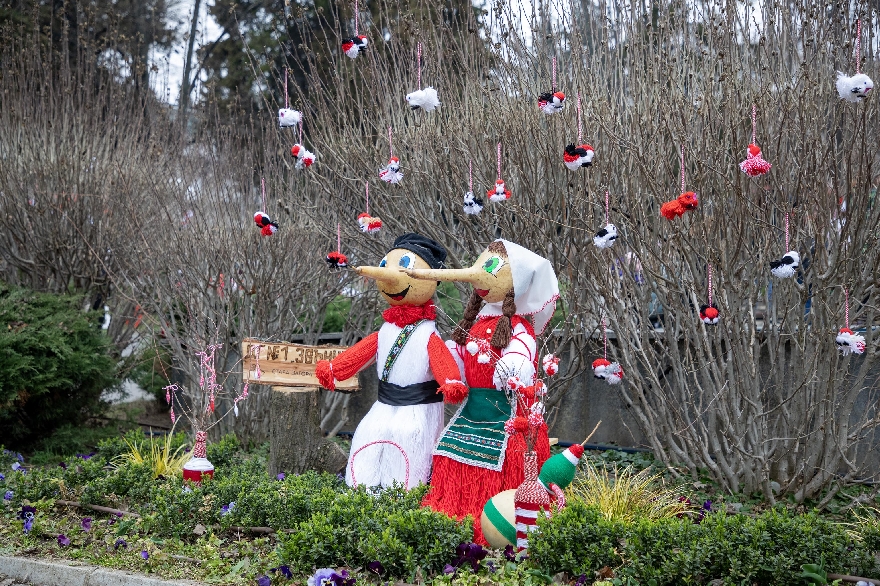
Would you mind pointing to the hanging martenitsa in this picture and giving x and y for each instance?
(336, 259)
(198, 406)
(605, 237)
(391, 173)
(847, 340)
(499, 191)
(304, 158)
(576, 156)
(611, 372)
(353, 45)
(286, 116)
(426, 98)
(552, 101)
(261, 218)
(685, 202)
(368, 223)
(473, 204)
(786, 267)
(754, 165)
(855, 88)
(709, 313)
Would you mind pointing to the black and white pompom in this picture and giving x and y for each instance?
(578, 156)
(426, 99)
(605, 237)
(855, 88)
(473, 205)
(786, 267)
(288, 117)
(551, 102)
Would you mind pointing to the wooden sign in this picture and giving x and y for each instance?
(288, 365)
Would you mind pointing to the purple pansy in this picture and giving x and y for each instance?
(226, 509)
(86, 524)
(145, 554)
(264, 581)
(86, 456)
(120, 542)
(281, 476)
(490, 565)
(26, 514)
(322, 577)
(63, 540)
(285, 571)
(470, 553)
(2, 477)
(16, 466)
(62, 465)
(342, 578)
(510, 553)
(376, 567)
(581, 581)
(7, 496)
(449, 569)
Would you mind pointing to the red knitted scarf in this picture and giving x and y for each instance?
(403, 315)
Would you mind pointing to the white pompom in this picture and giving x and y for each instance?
(483, 359)
(472, 347)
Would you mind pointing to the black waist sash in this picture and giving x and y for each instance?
(417, 394)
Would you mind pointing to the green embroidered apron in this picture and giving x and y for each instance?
(476, 436)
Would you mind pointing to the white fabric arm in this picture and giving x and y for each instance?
(457, 353)
(517, 359)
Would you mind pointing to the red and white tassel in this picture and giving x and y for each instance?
(499, 191)
(848, 341)
(754, 165)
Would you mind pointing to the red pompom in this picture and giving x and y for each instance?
(709, 314)
(337, 260)
(754, 165)
(576, 450)
(521, 424)
(685, 202)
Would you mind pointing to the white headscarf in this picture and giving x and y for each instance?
(535, 286)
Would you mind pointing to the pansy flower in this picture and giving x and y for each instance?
(322, 577)
(86, 524)
(63, 540)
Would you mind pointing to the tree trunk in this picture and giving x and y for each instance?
(296, 442)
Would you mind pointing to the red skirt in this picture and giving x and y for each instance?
(459, 489)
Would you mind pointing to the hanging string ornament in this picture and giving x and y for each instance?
(611, 372)
(304, 158)
(369, 224)
(579, 155)
(261, 219)
(390, 173)
(550, 363)
(605, 237)
(499, 192)
(354, 45)
(685, 202)
(426, 99)
(855, 88)
(286, 116)
(754, 165)
(473, 204)
(847, 340)
(786, 267)
(337, 260)
(709, 313)
(552, 101)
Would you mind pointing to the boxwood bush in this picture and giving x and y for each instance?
(768, 549)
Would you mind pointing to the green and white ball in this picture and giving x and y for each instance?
(498, 520)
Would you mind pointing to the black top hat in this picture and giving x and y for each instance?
(430, 251)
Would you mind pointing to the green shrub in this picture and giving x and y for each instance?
(577, 540)
(737, 549)
(222, 453)
(54, 364)
(359, 527)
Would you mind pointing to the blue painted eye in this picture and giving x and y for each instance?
(493, 264)
(383, 262)
(406, 261)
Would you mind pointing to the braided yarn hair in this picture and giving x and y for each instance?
(503, 330)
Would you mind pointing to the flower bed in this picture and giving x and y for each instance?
(243, 527)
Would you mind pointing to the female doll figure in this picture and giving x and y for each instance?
(495, 346)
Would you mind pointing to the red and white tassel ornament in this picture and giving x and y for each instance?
(856, 88)
(304, 157)
(286, 116)
(425, 99)
(754, 165)
(352, 46)
(198, 466)
(261, 218)
(553, 101)
(848, 341)
(685, 202)
(368, 223)
(606, 237)
(709, 314)
(499, 192)
(473, 204)
(787, 266)
(611, 372)
(336, 259)
(391, 173)
(550, 363)
(577, 156)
